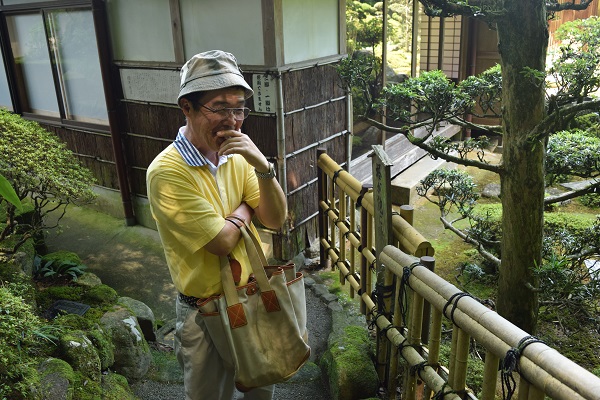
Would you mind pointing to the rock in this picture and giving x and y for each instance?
(329, 298)
(88, 280)
(491, 190)
(308, 282)
(81, 354)
(132, 353)
(348, 366)
(55, 379)
(99, 295)
(144, 315)
(103, 346)
(320, 289)
(116, 387)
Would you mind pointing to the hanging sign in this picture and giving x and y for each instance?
(265, 93)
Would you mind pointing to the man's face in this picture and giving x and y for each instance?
(204, 124)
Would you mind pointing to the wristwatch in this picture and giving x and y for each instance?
(266, 175)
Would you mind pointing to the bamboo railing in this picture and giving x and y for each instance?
(408, 304)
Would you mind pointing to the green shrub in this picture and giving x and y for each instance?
(18, 325)
(572, 153)
(41, 169)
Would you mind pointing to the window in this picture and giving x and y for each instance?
(57, 69)
(4, 89)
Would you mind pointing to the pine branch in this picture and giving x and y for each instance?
(421, 143)
(558, 119)
(594, 187)
(555, 6)
(484, 253)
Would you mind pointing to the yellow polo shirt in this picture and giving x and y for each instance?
(189, 206)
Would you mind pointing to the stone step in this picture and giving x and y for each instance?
(404, 185)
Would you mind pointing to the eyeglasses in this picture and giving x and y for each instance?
(238, 113)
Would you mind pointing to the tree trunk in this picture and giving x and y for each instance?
(523, 41)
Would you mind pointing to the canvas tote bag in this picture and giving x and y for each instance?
(259, 329)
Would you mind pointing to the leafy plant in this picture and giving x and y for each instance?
(9, 194)
(17, 358)
(55, 269)
(40, 169)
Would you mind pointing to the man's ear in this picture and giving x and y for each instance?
(185, 106)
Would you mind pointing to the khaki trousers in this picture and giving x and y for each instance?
(204, 374)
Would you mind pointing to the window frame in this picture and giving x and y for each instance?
(43, 8)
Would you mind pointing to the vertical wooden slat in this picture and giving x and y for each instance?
(490, 376)
(323, 220)
(461, 361)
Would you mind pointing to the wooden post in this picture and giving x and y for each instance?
(490, 376)
(364, 267)
(407, 212)
(429, 263)
(323, 219)
(383, 227)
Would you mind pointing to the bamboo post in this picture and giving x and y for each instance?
(342, 218)
(490, 376)
(452, 360)
(352, 251)
(461, 360)
(407, 212)
(435, 340)
(382, 219)
(364, 267)
(429, 263)
(323, 219)
(332, 204)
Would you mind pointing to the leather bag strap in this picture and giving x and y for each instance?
(257, 262)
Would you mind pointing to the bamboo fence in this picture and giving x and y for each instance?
(408, 314)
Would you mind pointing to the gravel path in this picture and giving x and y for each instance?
(307, 384)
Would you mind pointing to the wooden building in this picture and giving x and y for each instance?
(104, 75)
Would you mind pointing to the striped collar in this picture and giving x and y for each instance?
(191, 155)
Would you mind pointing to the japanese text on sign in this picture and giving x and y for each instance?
(265, 93)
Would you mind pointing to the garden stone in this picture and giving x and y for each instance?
(132, 353)
(320, 290)
(329, 297)
(88, 280)
(115, 386)
(491, 190)
(81, 354)
(308, 282)
(55, 379)
(144, 315)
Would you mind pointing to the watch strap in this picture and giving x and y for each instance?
(266, 175)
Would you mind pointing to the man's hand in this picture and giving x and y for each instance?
(239, 143)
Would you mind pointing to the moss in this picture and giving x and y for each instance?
(78, 350)
(101, 294)
(104, 348)
(115, 387)
(17, 347)
(573, 340)
(62, 256)
(45, 298)
(348, 364)
(332, 280)
(474, 371)
(86, 389)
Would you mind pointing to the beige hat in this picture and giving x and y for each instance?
(211, 70)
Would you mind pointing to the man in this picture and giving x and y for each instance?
(201, 189)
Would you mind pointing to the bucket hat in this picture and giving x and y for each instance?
(211, 70)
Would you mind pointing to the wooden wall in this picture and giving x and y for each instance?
(315, 115)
